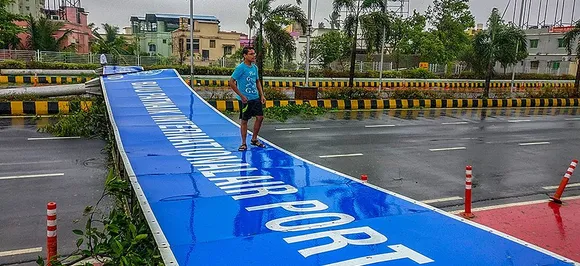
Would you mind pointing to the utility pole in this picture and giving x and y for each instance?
(308, 35)
(512, 84)
(191, 43)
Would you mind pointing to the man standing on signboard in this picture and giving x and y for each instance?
(246, 84)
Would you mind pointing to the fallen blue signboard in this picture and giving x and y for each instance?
(209, 204)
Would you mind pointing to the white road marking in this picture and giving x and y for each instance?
(441, 200)
(341, 155)
(20, 251)
(555, 187)
(372, 126)
(449, 149)
(573, 119)
(29, 176)
(292, 129)
(512, 205)
(39, 162)
(54, 138)
(455, 123)
(518, 121)
(534, 143)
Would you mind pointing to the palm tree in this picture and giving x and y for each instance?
(355, 9)
(41, 34)
(269, 21)
(569, 37)
(8, 30)
(375, 24)
(497, 44)
(334, 20)
(110, 42)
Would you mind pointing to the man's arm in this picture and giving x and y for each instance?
(260, 91)
(234, 87)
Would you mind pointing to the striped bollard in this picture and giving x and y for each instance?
(468, 175)
(51, 243)
(564, 182)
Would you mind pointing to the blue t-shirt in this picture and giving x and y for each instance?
(246, 78)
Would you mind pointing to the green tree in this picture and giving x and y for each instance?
(8, 30)
(269, 21)
(354, 8)
(41, 34)
(334, 20)
(330, 47)
(497, 44)
(110, 42)
(569, 38)
(450, 19)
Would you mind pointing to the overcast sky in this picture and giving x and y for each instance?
(233, 13)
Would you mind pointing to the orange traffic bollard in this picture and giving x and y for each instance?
(564, 182)
(51, 243)
(468, 176)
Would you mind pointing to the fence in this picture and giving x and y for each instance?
(90, 58)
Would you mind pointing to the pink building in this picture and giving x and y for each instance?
(74, 19)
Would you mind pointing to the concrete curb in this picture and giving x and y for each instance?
(404, 104)
(43, 79)
(42, 107)
(65, 107)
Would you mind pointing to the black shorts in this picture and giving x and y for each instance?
(250, 109)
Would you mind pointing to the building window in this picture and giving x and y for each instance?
(205, 55)
(561, 43)
(28, 8)
(534, 43)
(152, 48)
(555, 65)
(188, 44)
(534, 64)
(153, 27)
(228, 50)
(196, 45)
(211, 43)
(164, 40)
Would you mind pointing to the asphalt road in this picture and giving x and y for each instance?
(422, 154)
(70, 172)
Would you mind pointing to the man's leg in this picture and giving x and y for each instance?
(257, 126)
(244, 130)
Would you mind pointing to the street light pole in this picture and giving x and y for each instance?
(309, 33)
(191, 43)
(382, 53)
(517, 51)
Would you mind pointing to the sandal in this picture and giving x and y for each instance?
(257, 144)
(243, 147)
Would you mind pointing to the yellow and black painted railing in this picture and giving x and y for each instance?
(43, 79)
(42, 107)
(28, 79)
(404, 104)
(396, 84)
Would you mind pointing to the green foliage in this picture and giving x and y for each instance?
(349, 93)
(330, 47)
(274, 94)
(8, 30)
(450, 19)
(283, 113)
(110, 42)
(91, 123)
(41, 34)
(549, 92)
(269, 21)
